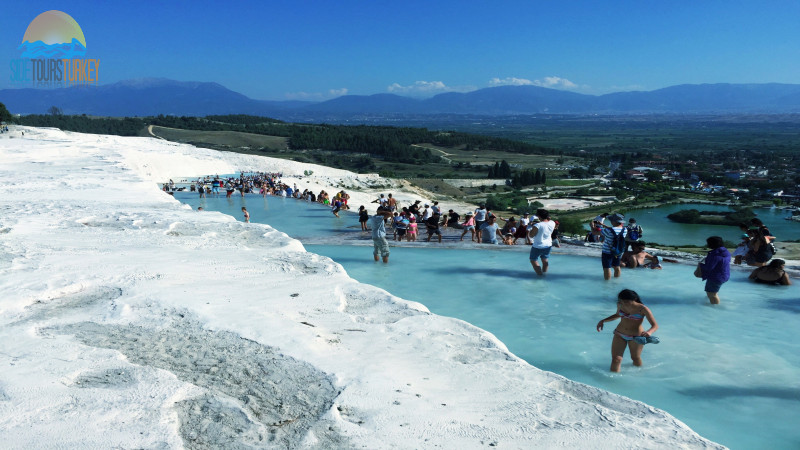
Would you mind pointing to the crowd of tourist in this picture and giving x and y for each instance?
(622, 245)
(261, 183)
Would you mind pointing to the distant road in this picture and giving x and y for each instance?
(150, 130)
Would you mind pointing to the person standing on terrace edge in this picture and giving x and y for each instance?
(610, 257)
(480, 216)
(630, 333)
(380, 244)
(469, 225)
(432, 226)
(541, 232)
(715, 268)
(246, 214)
(363, 217)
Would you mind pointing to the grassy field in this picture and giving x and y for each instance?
(649, 133)
(487, 157)
(449, 167)
(222, 139)
(566, 182)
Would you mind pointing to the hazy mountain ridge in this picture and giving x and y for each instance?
(142, 97)
(153, 96)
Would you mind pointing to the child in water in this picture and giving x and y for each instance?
(246, 214)
(412, 229)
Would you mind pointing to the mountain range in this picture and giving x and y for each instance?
(153, 96)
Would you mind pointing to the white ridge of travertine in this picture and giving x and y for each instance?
(128, 320)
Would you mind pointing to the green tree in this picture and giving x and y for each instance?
(5, 116)
(653, 175)
(571, 225)
(505, 169)
(496, 203)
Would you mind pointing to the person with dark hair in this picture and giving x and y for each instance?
(363, 217)
(522, 229)
(479, 215)
(610, 258)
(376, 223)
(635, 232)
(630, 333)
(542, 234)
(638, 257)
(772, 273)
(432, 227)
(488, 230)
(760, 250)
(453, 219)
(756, 222)
(715, 268)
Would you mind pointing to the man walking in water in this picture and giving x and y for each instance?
(380, 244)
(541, 232)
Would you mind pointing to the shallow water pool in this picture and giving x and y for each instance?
(731, 372)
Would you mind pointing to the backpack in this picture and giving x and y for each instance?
(771, 247)
(634, 233)
(618, 245)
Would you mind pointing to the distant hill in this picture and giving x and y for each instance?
(153, 96)
(505, 100)
(707, 98)
(367, 104)
(142, 97)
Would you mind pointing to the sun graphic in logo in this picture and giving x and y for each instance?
(53, 34)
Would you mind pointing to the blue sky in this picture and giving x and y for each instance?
(314, 50)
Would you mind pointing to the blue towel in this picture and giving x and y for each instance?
(646, 340)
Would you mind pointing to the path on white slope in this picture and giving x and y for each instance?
(150, 130)
(141, 323)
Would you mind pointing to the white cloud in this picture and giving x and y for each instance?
(337, 92)
(510, 81)
(316, 96)
(426, 88)
(548, 82)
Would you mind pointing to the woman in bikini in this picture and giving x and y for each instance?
(772, 273)
(629, 332)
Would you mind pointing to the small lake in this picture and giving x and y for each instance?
(657, 228)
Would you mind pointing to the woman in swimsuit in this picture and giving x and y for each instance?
(631, 313)
(772, 273)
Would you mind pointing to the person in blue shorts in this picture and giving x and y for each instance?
(541, 232)
(608, 258)
(715, 268)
